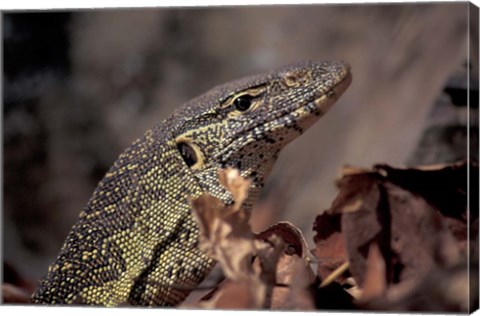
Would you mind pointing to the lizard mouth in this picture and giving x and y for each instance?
(299, 119)
(307, 113)
(320, 104)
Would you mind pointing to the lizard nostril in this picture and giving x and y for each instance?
(295, 78)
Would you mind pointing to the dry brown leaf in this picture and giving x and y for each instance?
(226, 236)
(233, 295)
(265, 264)
(290, 234)
(375, 283)
(207, 210)
(14, 295)
(443, 186)
(441, 290)
(399, 210)
(280, 254)
(296, 291)
(356, 188)
(397, 226)
(224, 231)
(230, 178)
(329, 241)
(294, 276)
(296, 250)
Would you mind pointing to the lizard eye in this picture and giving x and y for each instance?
(243, 103)
(188, 153)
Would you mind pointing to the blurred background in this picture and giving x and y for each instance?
(80, 86)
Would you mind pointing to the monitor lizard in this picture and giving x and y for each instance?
(135, 243)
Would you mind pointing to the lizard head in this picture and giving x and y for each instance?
(245, 123)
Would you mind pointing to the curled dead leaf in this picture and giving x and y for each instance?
(397, 226)
(330, 250)
(294, 276)
(237, 185)
(226, 236)
(375, 283)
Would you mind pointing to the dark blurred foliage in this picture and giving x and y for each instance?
(32, 64)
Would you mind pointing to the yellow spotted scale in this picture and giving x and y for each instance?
(136, 242)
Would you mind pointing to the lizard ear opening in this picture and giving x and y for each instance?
(190, 153)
